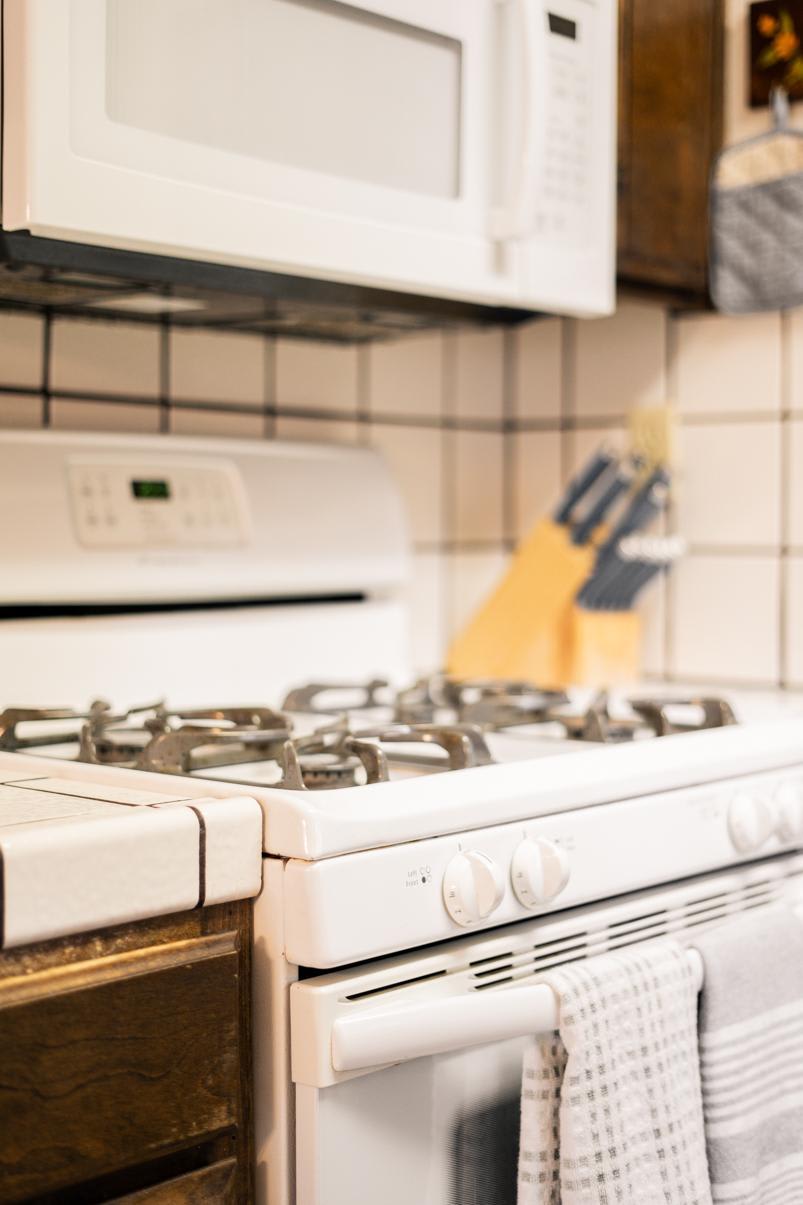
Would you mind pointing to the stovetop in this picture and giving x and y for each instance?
(333, 735)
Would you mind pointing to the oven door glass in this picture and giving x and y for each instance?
(442, 1130)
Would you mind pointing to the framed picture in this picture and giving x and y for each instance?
(776, 55)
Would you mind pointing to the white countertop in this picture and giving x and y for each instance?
(77, 856)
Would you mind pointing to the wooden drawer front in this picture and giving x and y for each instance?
(216, 1185)
(126, 1059)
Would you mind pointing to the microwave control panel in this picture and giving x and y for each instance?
(567, 165)
(183, 504)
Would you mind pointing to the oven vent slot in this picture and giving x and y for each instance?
(391, 987)
(691, 914)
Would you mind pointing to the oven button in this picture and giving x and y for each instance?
(788, 807)
(539, 872)
(472, 887)
(750, 822)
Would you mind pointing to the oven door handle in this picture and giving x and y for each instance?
(396, 1035)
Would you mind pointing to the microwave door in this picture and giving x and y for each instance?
(349, 141)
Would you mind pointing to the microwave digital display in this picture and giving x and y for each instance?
(150, 489)
(562, 26)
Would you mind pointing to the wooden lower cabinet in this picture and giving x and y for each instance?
(125, 1064)
(215, 1185)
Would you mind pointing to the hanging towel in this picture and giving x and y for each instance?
(751, 1057)
(611, 1111)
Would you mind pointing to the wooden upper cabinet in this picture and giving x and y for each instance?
(670, 128)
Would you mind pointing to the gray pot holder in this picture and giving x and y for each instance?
(756, 220)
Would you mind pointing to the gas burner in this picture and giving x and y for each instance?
(464, 744)
(342, 697)
(485, 702)
(649, 717)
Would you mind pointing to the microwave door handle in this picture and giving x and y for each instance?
(396, 1035)
(515, 217)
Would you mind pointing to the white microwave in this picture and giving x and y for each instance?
(453, 148)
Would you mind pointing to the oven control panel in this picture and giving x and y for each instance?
(182, 504)
(436, 888)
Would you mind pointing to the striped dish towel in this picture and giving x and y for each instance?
(611, 1112)
(751, 1057)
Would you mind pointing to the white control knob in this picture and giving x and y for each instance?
(750, 822)
(539, 872)
(788, 805)
(472, 887)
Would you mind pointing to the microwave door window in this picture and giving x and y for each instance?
(315, 85)
(442, 1130)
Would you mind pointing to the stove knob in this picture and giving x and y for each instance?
(788, 805)
(472, 887)
(539, 872)
(750, 822)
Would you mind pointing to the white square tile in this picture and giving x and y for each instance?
(105, 357)
(725, 618)
(794, 621)
(472, 577)
(794, 518)
(103, 416)
(217, 366)
(726, 363)
(537, 369)
(318, 430)
(729, 486)
(20, 410)
(316, 375)
(21, 349)
(479, 373)
(536, 459)
(406, 375)
(415, 457)
(427, 603)
(478, 501)
(620, 362)
(221, 423)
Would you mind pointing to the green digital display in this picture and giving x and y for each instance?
(150, 489)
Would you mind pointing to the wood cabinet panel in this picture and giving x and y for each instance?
(129, 1049)
(216, 1185)
(670, 128)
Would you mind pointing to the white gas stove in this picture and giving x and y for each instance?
(398, 819)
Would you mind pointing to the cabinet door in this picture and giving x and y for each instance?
(118, 1061)
(306, 136)
(670, 127)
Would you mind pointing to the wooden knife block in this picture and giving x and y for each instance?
(530, 627)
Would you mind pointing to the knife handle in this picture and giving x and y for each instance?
(582, 482)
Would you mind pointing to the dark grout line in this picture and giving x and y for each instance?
(364, 415)
(164, 376)
(269, 393)
(47, 363)
(568, 350)
(510, 463)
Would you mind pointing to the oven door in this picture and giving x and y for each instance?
(399, 143)
(408, 1070)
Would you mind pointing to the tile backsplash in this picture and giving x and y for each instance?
(481, 429)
